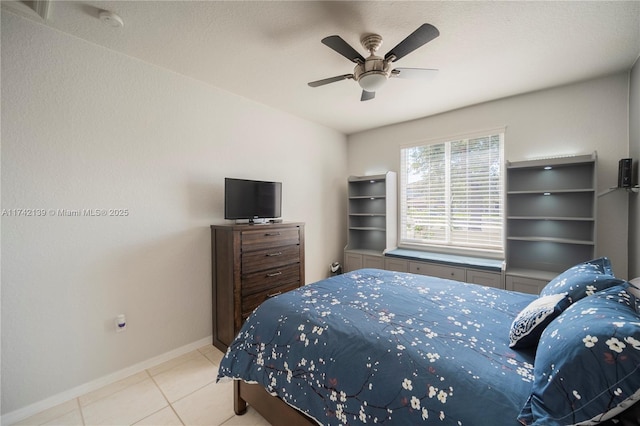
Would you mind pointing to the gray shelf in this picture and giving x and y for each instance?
(569, 218)
(553, 240)
(551, 215)
(532, 273)
(555, 191)
(372, 213)
(368, 197)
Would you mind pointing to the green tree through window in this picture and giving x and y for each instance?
(452, 194)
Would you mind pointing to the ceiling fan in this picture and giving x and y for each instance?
(371, 73)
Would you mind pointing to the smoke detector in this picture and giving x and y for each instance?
(111, 19)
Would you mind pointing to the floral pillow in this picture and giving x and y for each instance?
(531, 321)
(583, 279)
(587, 366)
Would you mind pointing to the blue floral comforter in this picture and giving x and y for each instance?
(374, 346)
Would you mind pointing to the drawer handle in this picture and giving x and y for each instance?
(278, 253)
(274, 294)
(271, 234)
(274, 274)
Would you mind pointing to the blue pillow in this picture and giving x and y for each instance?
(583, 279)
(531, 321)
(587, 365)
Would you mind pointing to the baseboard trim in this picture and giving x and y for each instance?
(52, 401)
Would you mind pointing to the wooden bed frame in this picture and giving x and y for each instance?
(272, 408)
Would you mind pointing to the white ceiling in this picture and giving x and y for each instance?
(267, 51)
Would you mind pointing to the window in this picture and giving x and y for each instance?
(452, 194)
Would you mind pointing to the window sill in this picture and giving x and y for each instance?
(493, 265)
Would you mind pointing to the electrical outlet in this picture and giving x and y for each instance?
(121, 323)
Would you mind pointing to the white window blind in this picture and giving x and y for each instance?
(452, 194)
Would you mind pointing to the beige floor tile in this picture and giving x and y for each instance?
(172, 363)
(188, 380)
(215, 356)
(127, 406)
(164, 417)
(50, 414)
(211, 405)
(186, 377)
(207, 348)
(73, 418)
(112, 388)
(250, 418)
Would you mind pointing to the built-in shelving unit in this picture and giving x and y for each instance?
(372, 219)
(551, 218)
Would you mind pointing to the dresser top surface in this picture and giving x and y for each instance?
(256, 226)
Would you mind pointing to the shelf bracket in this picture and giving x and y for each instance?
(608, 191)
(634, 189)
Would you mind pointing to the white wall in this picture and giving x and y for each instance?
(634, 152)
(87, 128)
(574, 119)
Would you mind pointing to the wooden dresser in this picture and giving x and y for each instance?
(250, 264)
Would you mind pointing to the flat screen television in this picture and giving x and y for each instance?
(252, 199)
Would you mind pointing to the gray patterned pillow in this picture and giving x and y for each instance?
(528, 326)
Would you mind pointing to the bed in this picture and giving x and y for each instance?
(374, 346)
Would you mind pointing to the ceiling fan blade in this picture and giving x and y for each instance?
(367, 95)
(330, 80)
(342, 47)
(424, 34)
(421, 73)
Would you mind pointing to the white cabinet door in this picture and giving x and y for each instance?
(369, 261)
(490, 279)
(524, 285)
(352, 261)
(440, 271)
(398, 265)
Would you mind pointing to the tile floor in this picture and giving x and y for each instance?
(181, 391)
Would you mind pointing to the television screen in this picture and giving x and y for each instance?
(252, 199)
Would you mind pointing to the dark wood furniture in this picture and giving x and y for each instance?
(250, 264)
(272, 408)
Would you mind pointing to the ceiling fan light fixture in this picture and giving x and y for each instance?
(371, 73)
(373, 80)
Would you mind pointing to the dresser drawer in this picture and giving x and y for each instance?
(274, 257)
(251, 302)
(269, 279)
(257, 239)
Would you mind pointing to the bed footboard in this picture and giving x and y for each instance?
(273, 409)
